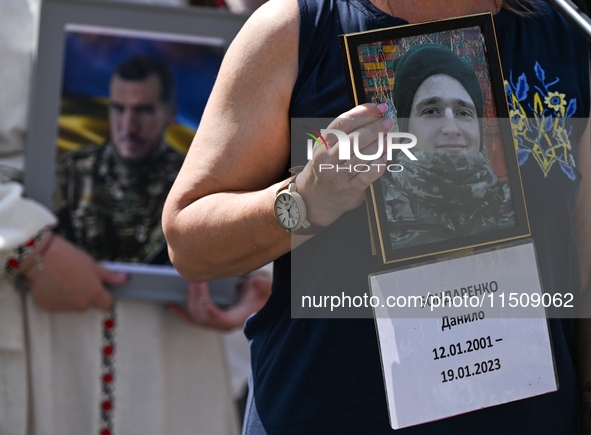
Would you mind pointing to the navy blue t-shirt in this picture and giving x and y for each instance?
(323, 376)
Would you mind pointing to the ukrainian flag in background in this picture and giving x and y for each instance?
(89, 61)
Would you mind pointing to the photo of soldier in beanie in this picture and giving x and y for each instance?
(450, 190)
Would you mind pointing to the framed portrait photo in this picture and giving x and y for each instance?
(118, 93)
(459, 185)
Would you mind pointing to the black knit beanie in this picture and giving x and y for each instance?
(421, 62)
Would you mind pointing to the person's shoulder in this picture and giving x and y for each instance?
(276, 21)
(283, 12)
(549, 18)
(542, 9)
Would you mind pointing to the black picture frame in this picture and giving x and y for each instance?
(367, 60)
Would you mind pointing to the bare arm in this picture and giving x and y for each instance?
(218, 218)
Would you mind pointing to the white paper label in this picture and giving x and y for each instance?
(442, 366)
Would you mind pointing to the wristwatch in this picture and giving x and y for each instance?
(290, 210)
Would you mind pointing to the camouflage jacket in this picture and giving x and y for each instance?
(110, 208)
(442, 196)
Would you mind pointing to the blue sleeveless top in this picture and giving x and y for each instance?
(323, 376)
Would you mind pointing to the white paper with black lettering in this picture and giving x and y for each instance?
(435, 367)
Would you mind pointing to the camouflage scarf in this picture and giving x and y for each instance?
(460, 190)
(456, 179)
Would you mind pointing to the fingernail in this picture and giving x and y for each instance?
(385, 157)
(382, 107)
(124, 275)
(388, 122)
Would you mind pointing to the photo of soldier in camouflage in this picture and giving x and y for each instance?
(109, 197)
(450, 190)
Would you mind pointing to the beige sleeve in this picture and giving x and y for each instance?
(20, 219)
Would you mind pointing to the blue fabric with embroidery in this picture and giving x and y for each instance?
(324, 376)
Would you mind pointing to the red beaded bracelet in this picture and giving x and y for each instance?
(20, 253)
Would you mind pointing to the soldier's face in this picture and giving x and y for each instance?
(443, 117)
(137, 116)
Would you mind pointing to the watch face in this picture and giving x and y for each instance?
(287, 211)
